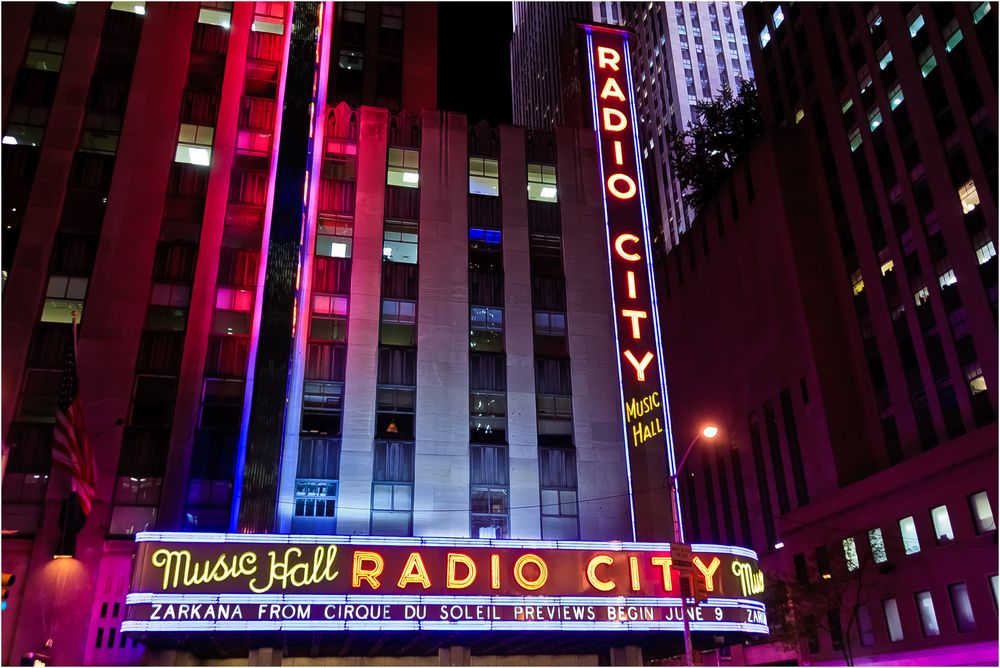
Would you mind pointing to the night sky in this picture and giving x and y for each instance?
(474, 60)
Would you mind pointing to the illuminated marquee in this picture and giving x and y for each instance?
(239, 582)
(643, 389)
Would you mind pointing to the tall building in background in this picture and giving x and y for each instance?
(836, 313)
(684, 53)
(542, 31)
(311, 324)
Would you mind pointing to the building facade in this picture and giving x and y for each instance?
(845, 279)
(298, 317)
(678, 65)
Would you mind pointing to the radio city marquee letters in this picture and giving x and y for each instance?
(205, 582)
(646, 425)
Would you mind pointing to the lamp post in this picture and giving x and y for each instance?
(709, 432)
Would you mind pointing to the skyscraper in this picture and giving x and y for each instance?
(843, 282)
(329, 352)
(684, 53)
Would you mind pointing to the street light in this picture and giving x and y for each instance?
(709, 432)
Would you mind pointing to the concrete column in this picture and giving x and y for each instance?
(15, 30)
(362, 327)
(521, 423)
(442, 422)
(597, 426)
(265, 656)
(454, 656)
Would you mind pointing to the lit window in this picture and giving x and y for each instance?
(765, 37)
(874, 117)
(985, 250)
(133, 7)
(928, 620)
(921, 296)
(404, 168)
(884, 56)
(542, 183)
(334, 245)
(874, 19)
(850, 554)
(886, 267)
(946, 275)
(846, 103)
(927, 61)
(908, 532)
(965, 621)
(484, 177)
(980, 9)
(194, 144)
(952, 35)
(215, 13)
(915, 20)
(63, 296)
(399, 243)
(995, 582)
(968, 196)
(269, 17)
(230, 299)
(895, 96)
(877, 544)
(45, 52)
(778, 16)
(480, 235)
(857, 283)
(351, 60)
(892, 623)
(329, 305)
(486, 326)
(854, 136)
(982, 513)
(799, 115)
(942, 525)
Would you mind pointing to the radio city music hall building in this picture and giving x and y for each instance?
(362, 380)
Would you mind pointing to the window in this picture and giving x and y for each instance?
(329, 318)
(985, 250)
(316, 480)
(194, 144)
(994, 584)
(487, 417)
(542, 183)
(877, 545)
(354, 12)
(404, 168)
(908, 531)
(874, 117)
(857, 283)
(884, 56)
(63, 296)
(487, 329)
(392, 489)
(322, 406)
(399, 323)
(133, 7)
(915, 21)
(484, 177)
(969, 197)
(778, 16)
(823, 562)
(557, 469)
(854, 136)
(351, 60)
(550, 324)
(866, 632)
(45, 52)
(399, 243)
(874, 19)
(952, 35)
(928, 619)
(921, 296)
(979, 10)
(982, 514)
(555, 415)
(489, 496)
(895, 96)
(961, 607)
(946, 275)
(215, 13)
(334, 240)
(232, 311)
(850, 554)
(269, 17)
(927, 61)
(942, 525)
(765, 37)
(892, 623)
(974, 376)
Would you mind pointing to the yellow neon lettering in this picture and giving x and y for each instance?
(607, 57)
(494, 571)
(634, 316)
(543, 572)
(633, 571)
(454, 582)
(615, 189)
(620, 247)
(664, 563)
(707, 571)
(611, 89)
(618, 124)
(750, 582)
(414, 572)
(596, 582)
(640, 367)
(370, 575)
(631, 284)
(618, 153)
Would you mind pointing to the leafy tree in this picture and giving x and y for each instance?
(721, 134)
(798, 610)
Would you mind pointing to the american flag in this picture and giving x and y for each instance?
(71, 452)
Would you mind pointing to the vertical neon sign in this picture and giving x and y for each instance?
(645, 412)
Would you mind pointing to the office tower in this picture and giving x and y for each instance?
(309, 327)
(543, 31)
(684, 53)
(843, 287)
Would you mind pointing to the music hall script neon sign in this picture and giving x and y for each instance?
(643, 387)
(238, 582)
